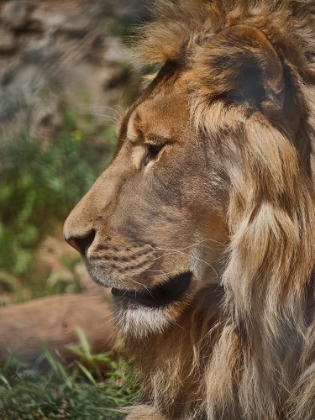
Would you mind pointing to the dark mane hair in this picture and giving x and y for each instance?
(179, 27)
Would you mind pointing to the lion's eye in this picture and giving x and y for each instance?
(152, 151)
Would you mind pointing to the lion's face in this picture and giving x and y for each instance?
(153, 226)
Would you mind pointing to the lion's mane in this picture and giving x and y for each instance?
(245, 349)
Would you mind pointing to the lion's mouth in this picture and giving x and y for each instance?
(160, 295)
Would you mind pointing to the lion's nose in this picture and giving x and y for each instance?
(81, 243)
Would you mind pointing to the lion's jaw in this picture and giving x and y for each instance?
(152, 227)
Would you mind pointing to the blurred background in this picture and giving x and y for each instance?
(66, 76)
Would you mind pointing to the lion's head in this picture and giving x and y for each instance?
(153, 225)
(203, 225)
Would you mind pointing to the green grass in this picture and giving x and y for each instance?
(94, 386)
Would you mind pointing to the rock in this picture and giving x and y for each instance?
(15, 15)
(33, 51)
(59, 56)
(78, 28)
(49, 20)
(7, 42)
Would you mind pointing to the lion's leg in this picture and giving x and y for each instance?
(144, 412)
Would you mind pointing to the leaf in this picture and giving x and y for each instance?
(83, 342)
(86, 372)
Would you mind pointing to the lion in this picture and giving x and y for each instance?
(203, 225)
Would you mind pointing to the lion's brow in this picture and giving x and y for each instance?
(158, 139)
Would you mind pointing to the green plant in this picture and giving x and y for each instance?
(69, 392)
(90, 364)
(40, 185)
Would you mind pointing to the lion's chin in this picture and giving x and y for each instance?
(141, 314)
(160, 295)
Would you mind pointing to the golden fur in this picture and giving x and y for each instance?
(214, 176)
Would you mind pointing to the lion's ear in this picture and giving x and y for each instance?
(240, 65)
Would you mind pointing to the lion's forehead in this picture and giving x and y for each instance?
(164, 113)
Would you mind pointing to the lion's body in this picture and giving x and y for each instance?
(204, 223)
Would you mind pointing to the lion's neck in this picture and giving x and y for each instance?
(172, 364)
